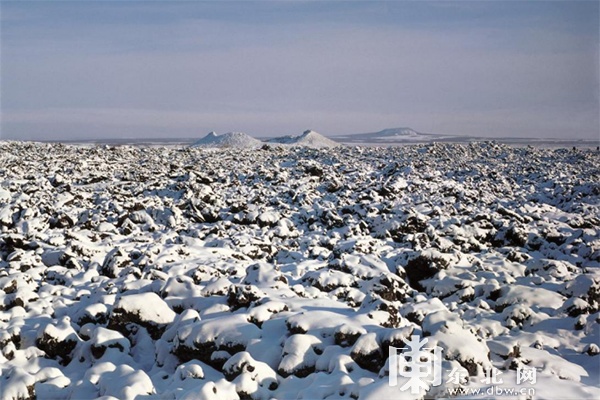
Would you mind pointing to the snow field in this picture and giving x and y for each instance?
(183, 273)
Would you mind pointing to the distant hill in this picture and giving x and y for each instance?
(394, 132)
(309, 138)
(230, 139)
(395, 136)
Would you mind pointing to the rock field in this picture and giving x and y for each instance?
(186, 273)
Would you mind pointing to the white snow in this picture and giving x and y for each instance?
(125, 383)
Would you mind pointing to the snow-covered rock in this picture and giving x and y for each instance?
(289, 272)
(144, 309)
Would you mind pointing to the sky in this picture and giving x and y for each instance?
(150, 69)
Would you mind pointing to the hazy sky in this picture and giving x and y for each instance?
(83, 69)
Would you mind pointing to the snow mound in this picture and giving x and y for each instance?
(230, 139)
(309, 138)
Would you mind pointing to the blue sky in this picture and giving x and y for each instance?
(84, 69)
